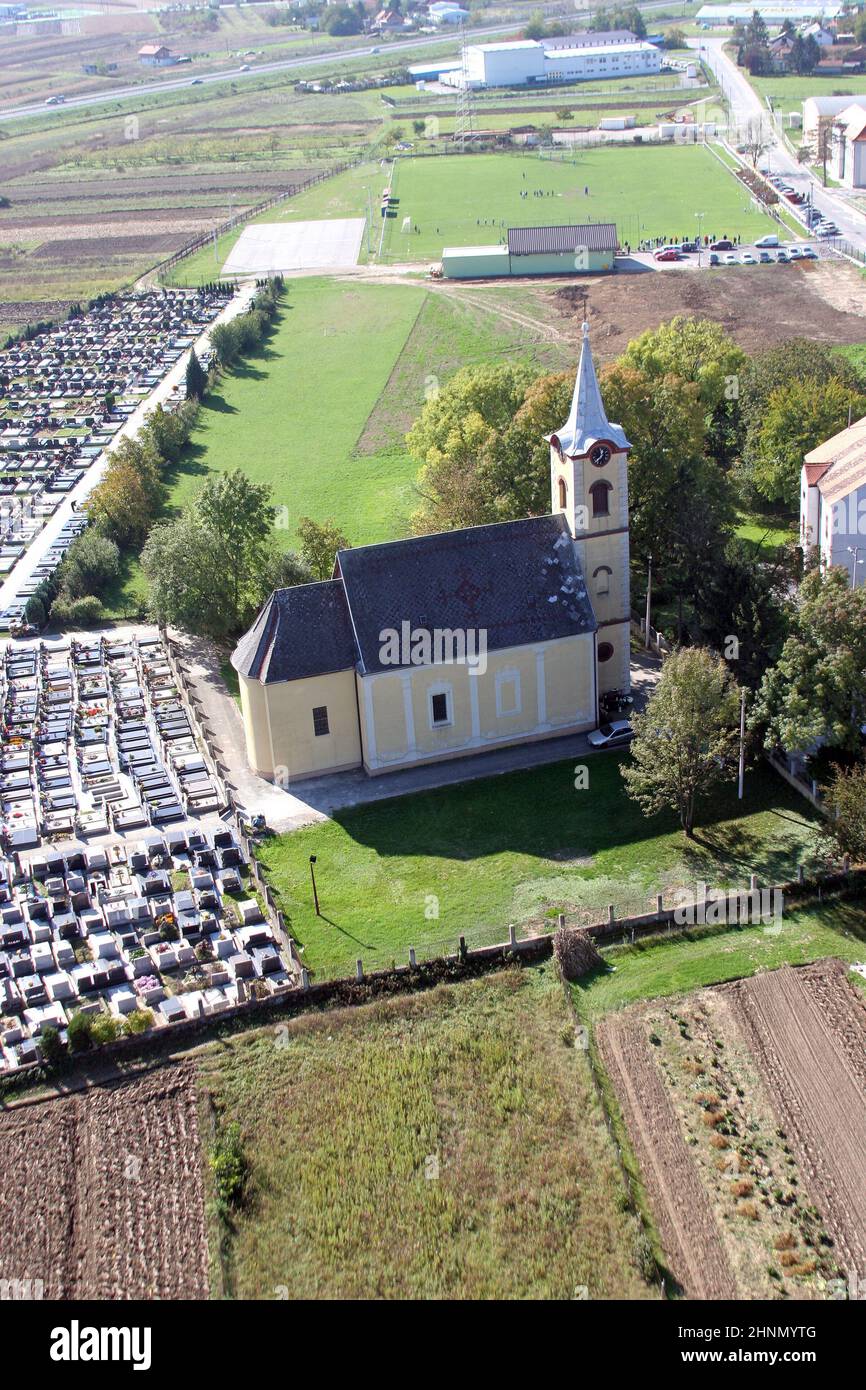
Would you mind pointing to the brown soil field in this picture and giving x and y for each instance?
(744, 1105)
(807, 1030)
(758, 305)
(101, 1194)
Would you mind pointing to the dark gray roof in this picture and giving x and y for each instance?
(595, 236)
(304, 631)
(596, 39)
(519, 581)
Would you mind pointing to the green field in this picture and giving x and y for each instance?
(657, 967)
(515, 849)
(459, 200)
(448, 1145)
(789, 93)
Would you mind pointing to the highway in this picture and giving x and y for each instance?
(745, 106)
(340, 55)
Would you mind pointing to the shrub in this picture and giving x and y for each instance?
(138, 1022)
(576, 953)
(104, 1029)
(80, 1032)
(77, 612)
(230, 1167)
(92, 563)
(51, 1047)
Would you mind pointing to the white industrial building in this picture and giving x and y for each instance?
(527, 61)
(727, 16)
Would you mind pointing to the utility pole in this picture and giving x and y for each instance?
(649, 588)
(465, 124)
(742, 742)
(700, 216)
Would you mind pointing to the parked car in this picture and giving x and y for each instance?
(794, 253)
(747, 259)
(730, 260)
(807, 254)
(611, 735)
(769, 240)
(715, 258)
(765, 258)
(688, 247)
(723, 245)
(667, 254)
(783, 256)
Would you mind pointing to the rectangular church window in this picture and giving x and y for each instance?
(439, 705)
(320, 720)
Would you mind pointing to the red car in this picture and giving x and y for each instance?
(795, 197)
(667, 255)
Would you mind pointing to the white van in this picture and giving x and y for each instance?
(769, 240)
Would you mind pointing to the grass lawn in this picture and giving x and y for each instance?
(648, 192)
(422, 870)
(768, 529)
(691, 960)
(459, 200)
(789, 93)
(444, 1145)
(322, 412)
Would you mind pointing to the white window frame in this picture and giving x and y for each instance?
(509, 676)
(443, 688)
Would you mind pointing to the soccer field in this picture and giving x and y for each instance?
(648, 192)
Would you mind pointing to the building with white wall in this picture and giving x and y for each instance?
(524, 62)
(726, 16)
(833, 501)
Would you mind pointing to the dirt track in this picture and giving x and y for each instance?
(101, 1194)
(807, 1030)
(680, 1204)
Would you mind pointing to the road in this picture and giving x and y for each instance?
(341, 55)
(746, 106)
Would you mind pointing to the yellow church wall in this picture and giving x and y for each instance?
(295, 748)
(497, 707)
(255, 715)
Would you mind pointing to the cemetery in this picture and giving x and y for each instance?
(65, 394)
(123, 890)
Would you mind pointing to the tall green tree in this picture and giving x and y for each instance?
(816, 691)
(196, 377)
(238, 514)
(799, 416)
(686, 739)
(320, 542)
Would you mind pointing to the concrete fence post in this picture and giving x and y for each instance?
(359, 970)
(801, 874)
(463, 948)
(659, 908)
(560, 919)
(846, 864)
(512, 935)
(412, 961)
(753, 883)
(611, 915)
(305, 978)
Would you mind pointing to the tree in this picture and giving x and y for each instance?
(686, 739)
(757, 137)
(457, 439)
(816, 691)
(799, 416)
(239, 516)
(283, 569)
(339, 20)
(196, 378)
(846, 802)
(320, 542)
(51, 1047)
(124, 503)
(740, 607)
(188, 582)
(92, 563)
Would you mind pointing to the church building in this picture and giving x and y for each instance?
(445, 645)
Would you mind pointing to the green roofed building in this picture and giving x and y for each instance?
(588, 249)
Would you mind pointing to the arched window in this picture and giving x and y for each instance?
(602, 579)
(605, 651)
(563, 494)
(600, 494)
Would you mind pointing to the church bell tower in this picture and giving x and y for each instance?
(589, 483)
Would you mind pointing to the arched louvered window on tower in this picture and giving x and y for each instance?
(602, 577)
(600, 494)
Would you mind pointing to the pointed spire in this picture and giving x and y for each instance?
(587, 422)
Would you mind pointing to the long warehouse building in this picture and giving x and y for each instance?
(531, 62)
(588, 249)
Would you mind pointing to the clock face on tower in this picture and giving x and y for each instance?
(600, 455)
